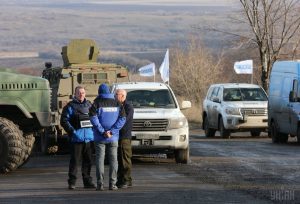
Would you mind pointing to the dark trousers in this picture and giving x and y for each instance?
(124, 161)
(80, 152)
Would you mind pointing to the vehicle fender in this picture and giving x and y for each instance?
(18, 103)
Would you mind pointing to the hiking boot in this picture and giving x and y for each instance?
(72, 186)
(125, 185)
(100, 188)
(113, 188)
(89, 185)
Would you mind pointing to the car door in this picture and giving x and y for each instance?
(283, 114)
(214, 113)
(294, 108)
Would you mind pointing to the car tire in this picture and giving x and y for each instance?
(284, 138)
(255, 133)
(209, 132)
(182, 156)
(278, 137)
(274, 133)
(224, 133)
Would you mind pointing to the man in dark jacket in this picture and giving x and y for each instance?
(124, 149)
(75, 120)
(107, 118)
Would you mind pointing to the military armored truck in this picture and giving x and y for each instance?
(80, 68)
(24, 109)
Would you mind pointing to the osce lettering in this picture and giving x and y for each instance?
(110, 109)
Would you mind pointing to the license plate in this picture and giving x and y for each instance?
(147, 136)
(147, 142)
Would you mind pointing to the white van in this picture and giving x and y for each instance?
(158, 124)
(284, 98)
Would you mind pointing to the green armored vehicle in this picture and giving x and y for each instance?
(80, 68)
(24, 109)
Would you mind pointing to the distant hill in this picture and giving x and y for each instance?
(129, 27)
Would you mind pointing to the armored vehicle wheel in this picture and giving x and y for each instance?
(182, 156)
(29, 141)
(209, 132)
(11, 146)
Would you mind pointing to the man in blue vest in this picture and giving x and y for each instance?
(76, 122)
(107, 118)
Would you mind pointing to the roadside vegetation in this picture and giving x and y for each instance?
(272, 34)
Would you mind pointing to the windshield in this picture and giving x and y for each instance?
(151, 98)
(244, 94)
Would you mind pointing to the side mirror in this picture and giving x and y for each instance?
(186, 104)
(217, 100)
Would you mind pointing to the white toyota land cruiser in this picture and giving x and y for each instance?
(158, 124)
(234, 107)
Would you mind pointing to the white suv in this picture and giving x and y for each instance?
(234, 107)
(158, 124)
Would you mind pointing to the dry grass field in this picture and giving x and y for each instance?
(132, 33)
(124, 26)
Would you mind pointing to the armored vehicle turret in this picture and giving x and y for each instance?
(80, 67)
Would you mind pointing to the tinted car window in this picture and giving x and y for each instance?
(214, 93)
(151, 98)
(244, 94)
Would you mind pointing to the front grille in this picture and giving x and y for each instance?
(17, 86)
(254, 111)
(150, 124)
(164, 137)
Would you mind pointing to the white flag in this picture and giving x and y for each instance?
(164, 68)
(148, 70)
(243, 67)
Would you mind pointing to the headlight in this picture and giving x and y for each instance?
(177, 123)
(232, 111)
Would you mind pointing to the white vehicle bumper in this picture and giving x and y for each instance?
(238, 122)
(161, 141)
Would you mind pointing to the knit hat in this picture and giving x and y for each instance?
(104, 91)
